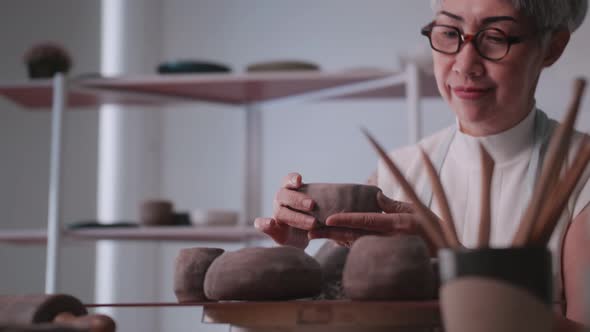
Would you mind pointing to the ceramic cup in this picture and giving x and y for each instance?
(331, 198)
(496, 289)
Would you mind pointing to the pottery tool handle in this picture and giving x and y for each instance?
(33, 309)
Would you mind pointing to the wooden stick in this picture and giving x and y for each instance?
(447, 222)
(429, 220)
(487, 171)
(554, 160)
(559, 197)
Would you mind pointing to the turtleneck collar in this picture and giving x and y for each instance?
(503, 147)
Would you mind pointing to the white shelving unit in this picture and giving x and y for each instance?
(254, 91)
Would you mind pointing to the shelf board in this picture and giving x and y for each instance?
(292, 314)
(160, 233)
(23, 236)
(224, 88)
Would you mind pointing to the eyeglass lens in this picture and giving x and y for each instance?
(490, 43)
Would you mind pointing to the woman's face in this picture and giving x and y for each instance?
(488, 96)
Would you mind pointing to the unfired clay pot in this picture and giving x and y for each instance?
(279, 273)
(496, 289)
(331, 198)
(189, 273)
(389, 268)
(156, 213)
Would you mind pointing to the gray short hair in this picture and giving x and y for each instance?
(549, 14)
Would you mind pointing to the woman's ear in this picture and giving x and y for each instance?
(557, 43)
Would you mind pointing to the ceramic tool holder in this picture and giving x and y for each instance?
(490, 289)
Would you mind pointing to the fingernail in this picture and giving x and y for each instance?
(307, 203)
(294, 180)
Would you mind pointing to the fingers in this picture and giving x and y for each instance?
(295, 219)
(381, 223)
(389, 205)
(282, 233)
(291, 181)
(293, 199)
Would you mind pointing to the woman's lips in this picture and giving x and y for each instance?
(470, 93)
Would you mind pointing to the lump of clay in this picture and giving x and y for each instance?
(280, 273)
(389, 268)
(331, 198)
(189, 273)
(332, 258)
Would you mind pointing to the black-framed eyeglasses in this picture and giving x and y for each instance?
(490, 43)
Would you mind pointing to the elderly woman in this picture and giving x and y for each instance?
(488, 56)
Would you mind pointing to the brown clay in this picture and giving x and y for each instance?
(332, 258)
(389, 268)
(331, 198)
(189, 273)
(91, 323)
(32, 309)
(156, 213)
(279, 273)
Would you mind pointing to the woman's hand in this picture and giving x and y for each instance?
(289, 225)
(345, 228)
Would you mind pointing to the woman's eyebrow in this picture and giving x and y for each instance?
(485, 21)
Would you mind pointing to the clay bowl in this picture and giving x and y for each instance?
(190, 268)
(331, 198)
(496, 289)
(156, 213)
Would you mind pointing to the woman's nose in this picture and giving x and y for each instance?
(468, 62)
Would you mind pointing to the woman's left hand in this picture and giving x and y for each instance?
(345, 228)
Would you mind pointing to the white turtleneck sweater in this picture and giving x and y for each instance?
(461, 178)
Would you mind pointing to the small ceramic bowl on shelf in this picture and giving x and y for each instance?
(493, 289)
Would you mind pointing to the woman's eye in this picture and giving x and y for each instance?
(496, 39)
(450, 34)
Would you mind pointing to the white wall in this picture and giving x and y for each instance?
(24, 145)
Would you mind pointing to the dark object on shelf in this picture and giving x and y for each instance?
(192, 66)
(331, 198)
(32, 309)
(190, 268)
(332, 258)
(46, 59)
(282, 65)
(260, 274)
(383, 268)
(507, 289)
(96, 224)
(156, 213)
(181, 219)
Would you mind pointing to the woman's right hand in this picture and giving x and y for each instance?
(289, 224)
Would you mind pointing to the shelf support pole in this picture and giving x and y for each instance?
(414, 104)
(55, 177)
(252, 165)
